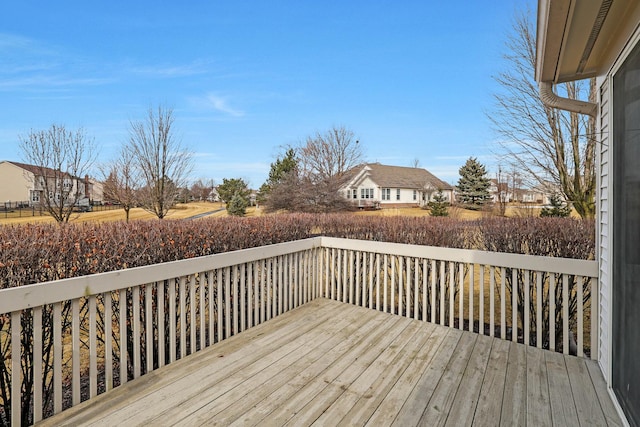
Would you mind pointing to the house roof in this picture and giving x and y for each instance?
(37, 170)
(397, 177)
(581, 39)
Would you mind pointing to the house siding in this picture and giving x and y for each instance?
(603, 246)
(15, 183)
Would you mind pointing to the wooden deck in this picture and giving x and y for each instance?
(328, 363)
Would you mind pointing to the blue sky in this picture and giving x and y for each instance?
(412, 79)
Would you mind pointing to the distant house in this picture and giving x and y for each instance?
(376, 185)
(539, 194)
(20, 182)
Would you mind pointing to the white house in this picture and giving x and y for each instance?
(20, 182)
(601, 39)
(376, 185)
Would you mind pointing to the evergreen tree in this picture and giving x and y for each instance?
(557, 208)
(473, 185)
(280, 170)
(237, 206)
(438, 205)
(231, 187)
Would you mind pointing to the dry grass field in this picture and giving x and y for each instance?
(193, 209)
(181, 211)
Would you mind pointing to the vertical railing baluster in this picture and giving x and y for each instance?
(16, 360)
(57, 357)
(471, 296)
(481, 301)
(227, 302)
(349, 271)
(527, 288)
(122, 331)
(250, 293)
(173, 341)
(75, 351)
(93, 348)
(219, 295)
(108, 345)
(148, 327)
(452, 282)
(212, 319)
(595, 313)
(492, 307)
(580, 320)
(37, 364)
(370, 280)
(416, 288)
(461, 296)
(268, 285)
(378, 282)
(345, 272)
(183, 316)
(357, 285)
(443, 279)
(202, 287)
(552, 312)
(135, 320)
(539, 297)
(393, 284)
(565, 314)
(503, 303)
(385, 284)
(243, 299)
(514, 305)
(235, 297)
(160, 300)
(433, 291)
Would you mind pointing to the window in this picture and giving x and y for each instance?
(386, 194)
(398, 194)
(415, 195)
(366, 193)
(35, 196)
(355, 194)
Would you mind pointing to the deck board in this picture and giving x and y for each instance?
(329, 363)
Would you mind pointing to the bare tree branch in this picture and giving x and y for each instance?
(163, 163)
(544, 143)
(61, 159)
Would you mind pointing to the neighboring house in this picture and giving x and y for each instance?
(376, 185)
(500, 191)
(20, 182)
(601, 39)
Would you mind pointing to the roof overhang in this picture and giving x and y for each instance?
(578, 39)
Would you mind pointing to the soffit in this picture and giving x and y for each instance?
(578, 39)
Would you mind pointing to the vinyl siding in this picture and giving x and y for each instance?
(603, 247)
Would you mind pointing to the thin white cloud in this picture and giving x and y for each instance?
(40, 81)
(217, 103)
(171, 70)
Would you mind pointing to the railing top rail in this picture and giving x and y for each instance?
(28, 296)
(498, 259)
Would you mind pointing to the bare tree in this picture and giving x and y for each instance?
(201, 190)
(545, 143)
(59, 161)
(122, 178)
(162, 161)
(330, 154)
(324, 160)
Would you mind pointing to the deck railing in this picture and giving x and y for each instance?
(55, 342)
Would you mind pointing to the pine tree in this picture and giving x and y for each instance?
(557, 208)
(237, 205)
(438, 205)
(280, 170)
(473, 186)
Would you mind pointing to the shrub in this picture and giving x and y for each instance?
(237, 206)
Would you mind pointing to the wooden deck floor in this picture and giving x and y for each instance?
(328, 363)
